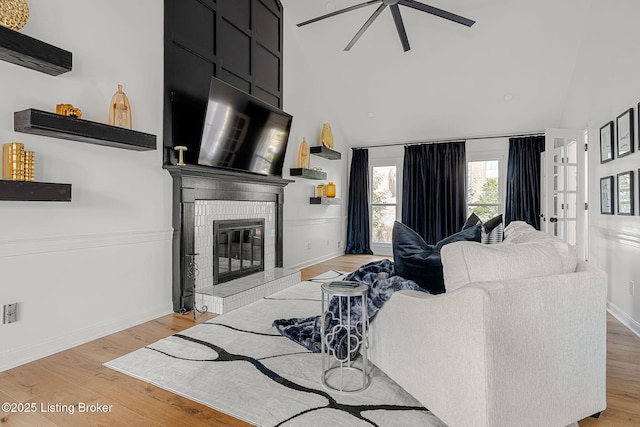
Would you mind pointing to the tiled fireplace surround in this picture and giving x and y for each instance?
(202, 195)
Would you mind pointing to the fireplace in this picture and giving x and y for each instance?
(238, 248)
(202, 195)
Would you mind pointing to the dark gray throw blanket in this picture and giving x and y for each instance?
(382, 282)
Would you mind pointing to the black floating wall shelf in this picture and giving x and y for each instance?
(325, 152)
(32, 53)
(57, 126)
(324, 201)
(26, 191)
(308, 173)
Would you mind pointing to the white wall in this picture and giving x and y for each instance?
(605, 84)
(312, 233)
(101, 263)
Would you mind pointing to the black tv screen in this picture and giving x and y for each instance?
(242, 132)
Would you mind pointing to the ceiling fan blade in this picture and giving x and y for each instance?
(338, 12)
(397, 18)
(365, 26)
(437, 12)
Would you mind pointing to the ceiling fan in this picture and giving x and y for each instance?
(397, 17)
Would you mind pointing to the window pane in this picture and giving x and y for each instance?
(382, 223)
(482, 182)
(384, 184)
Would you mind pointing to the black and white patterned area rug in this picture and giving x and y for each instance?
(238, 364)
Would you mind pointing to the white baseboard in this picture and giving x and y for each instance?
(318, 260)
(25, 354)
(624, 318)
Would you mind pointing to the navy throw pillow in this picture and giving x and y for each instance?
(416, 260)
(471, 221)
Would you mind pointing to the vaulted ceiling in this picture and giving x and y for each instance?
(509, 73)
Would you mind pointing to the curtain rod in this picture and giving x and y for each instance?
(436, 141)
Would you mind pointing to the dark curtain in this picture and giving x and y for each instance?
(434, 189)
(358, 234)
(523, 180)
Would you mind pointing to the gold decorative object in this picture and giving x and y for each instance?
(180, 149)
(68, 110)
(29, 166)
(14, 14)
(327, 136)
(13, 161)
(304, 155)
(321, 190)
(120, 110)
(331, 190)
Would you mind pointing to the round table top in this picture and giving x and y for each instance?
(342, 289)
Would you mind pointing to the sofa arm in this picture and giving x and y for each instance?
(434, 347)
(522, 352)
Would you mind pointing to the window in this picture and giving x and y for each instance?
(384, 203)
(484, 194)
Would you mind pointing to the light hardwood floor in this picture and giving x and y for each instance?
(77, 375)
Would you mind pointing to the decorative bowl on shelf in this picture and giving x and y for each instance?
(14, 14)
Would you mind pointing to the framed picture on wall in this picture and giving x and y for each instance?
(606, 195)
(606, 142)
(625, 193)
(624, 125)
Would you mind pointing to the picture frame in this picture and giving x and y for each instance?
(626, 193)
(625, 134)
(606, 195)
(606, 143)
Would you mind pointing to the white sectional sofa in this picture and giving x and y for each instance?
(518, 339)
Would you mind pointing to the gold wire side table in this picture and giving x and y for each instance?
(344, 337)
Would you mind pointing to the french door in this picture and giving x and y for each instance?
(564, 191)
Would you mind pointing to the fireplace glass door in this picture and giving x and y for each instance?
(238, 248)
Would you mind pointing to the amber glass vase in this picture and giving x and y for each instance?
(331, 190)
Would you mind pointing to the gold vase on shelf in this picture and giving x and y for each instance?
(29, 166)
(14, 14)
(120, 110)
(327, 136)
(13, 161)
(303, 155)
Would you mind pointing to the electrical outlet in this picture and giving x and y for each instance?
(10, 313)
(339, 244)
(632, 288)
(308, 245)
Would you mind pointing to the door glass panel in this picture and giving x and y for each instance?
(571, 208)
(572, 178)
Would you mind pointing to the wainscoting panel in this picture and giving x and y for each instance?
(308, 241)
(73, 289)
(617, 253)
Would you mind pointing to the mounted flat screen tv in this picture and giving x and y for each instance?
(243, 133)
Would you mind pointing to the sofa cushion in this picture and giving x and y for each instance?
(418, 261)
(525, 255)
(519, 232)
